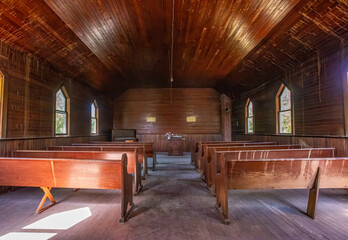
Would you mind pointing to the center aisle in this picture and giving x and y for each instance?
(174, 204)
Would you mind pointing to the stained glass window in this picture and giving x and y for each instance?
(61, 119)
(285, 111)
(249, 117)
(94, 118)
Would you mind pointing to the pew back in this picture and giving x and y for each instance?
(133, 165)
(270, 153)
(63, 173)
(203, 153)
(140, 151)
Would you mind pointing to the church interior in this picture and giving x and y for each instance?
(173, 119)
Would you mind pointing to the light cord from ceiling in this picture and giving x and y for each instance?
(171, 55)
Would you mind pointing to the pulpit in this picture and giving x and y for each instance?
(176, 146)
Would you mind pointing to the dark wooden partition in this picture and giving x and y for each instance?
(135, 105)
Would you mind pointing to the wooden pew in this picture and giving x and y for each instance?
(140, 150)
(208, 160)
(48, 173)
(297, 173)
(149, 148)
(197, 149)
(262, 152)
(201, 159)
(133, 166)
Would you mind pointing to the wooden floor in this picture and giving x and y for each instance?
(174, 205)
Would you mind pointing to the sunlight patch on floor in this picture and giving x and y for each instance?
(27, 236)
(61, 221)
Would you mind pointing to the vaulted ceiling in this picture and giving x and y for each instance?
(122, 44)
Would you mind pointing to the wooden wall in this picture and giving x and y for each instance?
(132, 108)
(30, 85)
(318, 105)
(28, 120)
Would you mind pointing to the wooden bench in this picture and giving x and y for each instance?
(207, 158)
(133, 166)
(273, 152)
(201, 158)
(299, 173)
(149, 148)
(197, 149)
(140, 150)
(49, 173)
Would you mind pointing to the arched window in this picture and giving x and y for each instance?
(249, 117)
(284, 110)
(62, 108)
(94, 117)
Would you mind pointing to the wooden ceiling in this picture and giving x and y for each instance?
(122, 44)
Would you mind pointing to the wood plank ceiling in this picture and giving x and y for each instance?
(123, 44)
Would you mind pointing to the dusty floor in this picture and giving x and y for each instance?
(174, 205)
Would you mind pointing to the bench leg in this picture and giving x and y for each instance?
(47, 191)
(224, 220)
(313, 196)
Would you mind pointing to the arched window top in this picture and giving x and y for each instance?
(284, 110)
(94, 117)
(285, 99)
(250, 109)
(62, 111)
(60, 100)
(93, 110)
(249, 114)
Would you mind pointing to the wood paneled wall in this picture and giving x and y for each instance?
(28, 120)
(30, 84)
(317, 101)
(132, 108)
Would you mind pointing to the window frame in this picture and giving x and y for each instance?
(66, 112)
(3, 104)
(247, 117)
(279, 111)
(94, 102)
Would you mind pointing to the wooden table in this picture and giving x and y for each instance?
(176, 147)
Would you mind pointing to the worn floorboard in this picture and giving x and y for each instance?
(175, 205)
